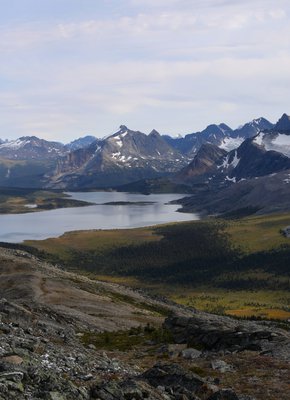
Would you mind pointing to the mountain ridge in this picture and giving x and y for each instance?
(127, 156)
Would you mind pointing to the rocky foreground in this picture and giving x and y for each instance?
(50, 322)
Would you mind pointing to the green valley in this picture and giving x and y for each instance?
(238, 267)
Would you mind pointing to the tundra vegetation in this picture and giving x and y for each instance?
(238, 267)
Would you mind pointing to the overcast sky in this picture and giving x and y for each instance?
(75, 67)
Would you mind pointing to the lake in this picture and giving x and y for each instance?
(15, 228)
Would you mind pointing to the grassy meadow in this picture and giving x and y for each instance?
(237, 267)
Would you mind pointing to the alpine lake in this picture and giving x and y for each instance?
(110, 210)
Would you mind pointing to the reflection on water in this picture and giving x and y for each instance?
(41, 225)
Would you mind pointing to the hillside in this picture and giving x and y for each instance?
(227, 260)
(60, 338)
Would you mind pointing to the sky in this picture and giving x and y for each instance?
(69, 68)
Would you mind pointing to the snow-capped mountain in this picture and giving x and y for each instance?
(266, 153)
(253, 127)
(31, 147)
(120, 158)
(191, 143)
(252, 179)
(217, 155)
(220, 135)
(251, 160)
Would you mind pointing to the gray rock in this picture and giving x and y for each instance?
(221, 366)
(169, 375)
(220, 333)
(190, 354)
(224, 394)
(56, 396)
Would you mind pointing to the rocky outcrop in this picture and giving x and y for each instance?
(219, 333)
(48, 361)
(53, 352)
(41, 360)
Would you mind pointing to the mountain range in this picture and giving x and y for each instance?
(251, 178)
(121, 158)
(213, 160)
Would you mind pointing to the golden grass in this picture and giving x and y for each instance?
(260, 232)
(267, 304)
(267, 313)
(97, 240)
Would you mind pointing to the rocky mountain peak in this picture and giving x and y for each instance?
(203, 163)
(283, 123)
(262, 123)
(31, 147)
(123, 128)
(154, 133)
(225, 127)
(253, 127)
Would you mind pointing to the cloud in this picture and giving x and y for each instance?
(175, 64)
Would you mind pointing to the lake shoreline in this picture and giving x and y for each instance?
(106, 210)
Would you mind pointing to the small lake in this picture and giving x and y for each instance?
(15, 228)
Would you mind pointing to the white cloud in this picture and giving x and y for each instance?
(203, 59)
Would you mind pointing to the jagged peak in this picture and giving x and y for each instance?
(258, 120)
(211, 126)
(284, 116)
(154, 132)
(283, 123)
(123, 128)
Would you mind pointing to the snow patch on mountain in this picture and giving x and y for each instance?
(234, 179)
(287, 180)
(259, 139)
(279, 142)
(230, 143)
(14, 144)
(235, 161)
(229, 164)
(116, 155)
(117, 140)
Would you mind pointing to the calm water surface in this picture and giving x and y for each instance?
(42, 225)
